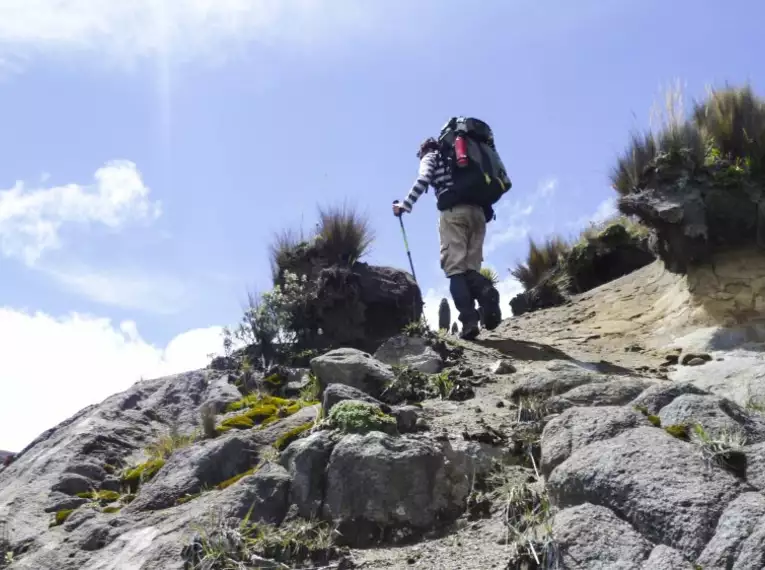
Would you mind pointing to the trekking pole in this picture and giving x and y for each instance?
(406, 244)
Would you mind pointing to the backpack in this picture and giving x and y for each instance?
(483, 180)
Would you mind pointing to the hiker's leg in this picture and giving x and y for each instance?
(459, 287)
(453, 231)
(454, 228)
(480, 286)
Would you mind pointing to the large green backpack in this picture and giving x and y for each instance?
(483, 180)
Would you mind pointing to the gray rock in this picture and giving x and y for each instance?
(111, 483)
(335, 393)
(406, 418)
(737, 524)
(306, 460)
(58, 501)
(189, 470)
(353, 368)
(71, 484)
(558, 377)
(695, 359)
(591, 537)
(220, 393)
(715, 414)
(263, 495)
(376, 481)
(617, 392)
(403, 350)
(503, 366)
(660, 395)
(87, 469)
(752, 555)
(696, 362)
(78, 517)
(657, 483)
(755, 469)
(578, 427)
(666, 558)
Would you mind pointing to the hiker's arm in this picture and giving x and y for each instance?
(425, 175)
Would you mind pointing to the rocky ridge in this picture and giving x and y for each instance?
(537, 446)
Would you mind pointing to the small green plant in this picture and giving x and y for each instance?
(169, 443)
(756, 405)
(293, 544)
(531, 409)
(352, 416)
(408, 384)
(259, 409)
(111, 510)
(135, 476)
(416, 328)
(344, 235)
(207, 421)
(723, 449)
(312, 390)
(491, 275)
(655, 420)
(443, 384)
(228, 482)
(100, 496)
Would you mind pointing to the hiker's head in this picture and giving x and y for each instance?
(427, 145)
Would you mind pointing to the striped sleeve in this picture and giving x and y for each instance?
(424, 178)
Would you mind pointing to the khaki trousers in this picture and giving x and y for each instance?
(462, 230)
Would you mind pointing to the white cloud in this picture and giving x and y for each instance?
(177, 28)
(511, 223)
(606, 209)
(31, 219)
(149, 292)
(53, 367)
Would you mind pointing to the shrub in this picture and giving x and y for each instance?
(344, 235)
(540, 259)
(207, 420)
(352, 416)
(491, 275)
(725, 129)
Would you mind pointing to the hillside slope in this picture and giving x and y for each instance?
(542, 443)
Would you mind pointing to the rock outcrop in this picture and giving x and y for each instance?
(614, 251)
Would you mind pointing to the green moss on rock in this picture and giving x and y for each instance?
(655, 420)
(142, 472)
(108, 496)
(228, 482)
(282, 442)
(241, 421)
(110, 510)
(680, 431)
(360, 417)
(61, 516)
(261, 410)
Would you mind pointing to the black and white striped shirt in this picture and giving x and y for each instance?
(433, 172)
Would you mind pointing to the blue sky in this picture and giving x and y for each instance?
(150, 150)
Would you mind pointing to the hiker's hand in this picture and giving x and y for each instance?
(397, 209)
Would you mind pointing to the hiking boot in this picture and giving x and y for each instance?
(490, 309)
(470, 331)
(488, 298)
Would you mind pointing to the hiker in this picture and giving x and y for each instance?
(468, 178)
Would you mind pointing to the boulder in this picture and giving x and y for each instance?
(378, 482)
(306, 460)
(336, 393)
(657, 483)
(353, 368)
(363, 305)
(666, 558)
(263, 496)
(577, 427)
(591, 537)
(654, 398)
(604, 257)
(716, 415)
(557, 377)
(189, 470)
(503, 366)
(221, 393)
(617, 392)
(755, 471)
(691, 214)
(543, 296)
(413, 351)
(739, 539)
